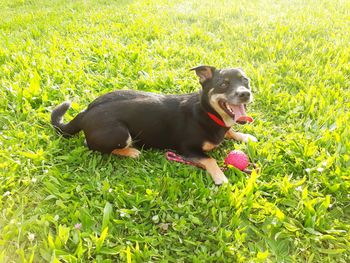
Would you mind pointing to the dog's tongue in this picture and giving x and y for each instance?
(240, 114)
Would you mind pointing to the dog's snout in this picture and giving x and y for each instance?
(244, 94)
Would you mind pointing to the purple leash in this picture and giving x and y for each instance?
(171, 156)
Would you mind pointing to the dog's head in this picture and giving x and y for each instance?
(227, 91)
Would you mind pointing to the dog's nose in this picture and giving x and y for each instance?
(244, 94)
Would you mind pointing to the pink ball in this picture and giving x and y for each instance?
(237, 159)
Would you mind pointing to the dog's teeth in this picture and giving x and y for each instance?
(228, 107)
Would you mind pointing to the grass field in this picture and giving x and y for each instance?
(61, 202)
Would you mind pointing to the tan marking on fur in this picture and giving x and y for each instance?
(241, 137)
(230, 134)
(128, 152)
(208, 146)
(214, 102)
(213, 169)
(204, 74)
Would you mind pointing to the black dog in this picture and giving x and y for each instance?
(190, 124)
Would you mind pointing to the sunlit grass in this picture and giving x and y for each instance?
(60, 201)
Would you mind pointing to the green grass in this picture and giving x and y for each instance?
(62, 203)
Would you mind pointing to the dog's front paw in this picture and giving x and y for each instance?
(248, 137)
(221, 180)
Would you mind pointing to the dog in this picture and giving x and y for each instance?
(191, 124)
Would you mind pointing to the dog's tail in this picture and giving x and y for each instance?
(70, 128)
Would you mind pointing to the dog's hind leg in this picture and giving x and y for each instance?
(128, 152)
(115, 140)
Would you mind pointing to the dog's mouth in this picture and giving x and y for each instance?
(236, 112)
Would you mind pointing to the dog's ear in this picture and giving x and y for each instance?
(204, 72)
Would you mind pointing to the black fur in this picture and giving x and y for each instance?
(177, 122)
(69, 129)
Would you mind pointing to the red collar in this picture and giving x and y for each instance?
(217, 120)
